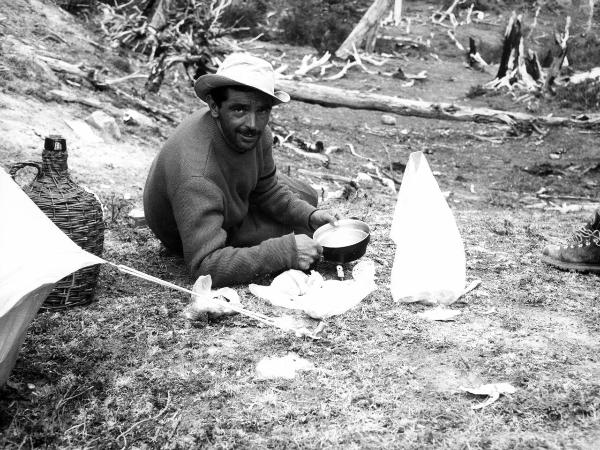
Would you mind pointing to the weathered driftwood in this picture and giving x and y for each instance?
(335, 97)
(368, 22)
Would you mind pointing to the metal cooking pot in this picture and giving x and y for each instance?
(344, 242)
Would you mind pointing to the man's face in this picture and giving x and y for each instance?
(242, 117)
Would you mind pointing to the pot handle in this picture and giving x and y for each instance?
(18, 166)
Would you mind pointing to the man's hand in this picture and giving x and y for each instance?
(308, 251)
(321, 217)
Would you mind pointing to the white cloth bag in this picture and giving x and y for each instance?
(34, 255)
(429, 265)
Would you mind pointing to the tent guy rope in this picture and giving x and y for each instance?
(245, 312)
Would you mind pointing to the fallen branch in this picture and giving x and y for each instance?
(335, 97)
(453, 39)
(310, 62)
(342, 72)
(351, 147)
(325, 176)
(324, 159)
(438, 16)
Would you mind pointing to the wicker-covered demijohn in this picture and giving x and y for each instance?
(75, 210)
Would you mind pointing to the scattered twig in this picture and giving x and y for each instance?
(138, 423)
(351, 147)
(342, 72)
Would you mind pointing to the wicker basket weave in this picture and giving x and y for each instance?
(75, 210)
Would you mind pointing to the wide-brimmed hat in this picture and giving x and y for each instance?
(242, 69)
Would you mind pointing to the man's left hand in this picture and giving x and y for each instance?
(321, 217)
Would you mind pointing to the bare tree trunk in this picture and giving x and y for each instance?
(559, 58)
(334, 97)
(371, 18)
(588, 28)
(397, 12)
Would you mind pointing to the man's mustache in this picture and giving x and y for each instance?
(249, 132)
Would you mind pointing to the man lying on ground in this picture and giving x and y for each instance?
(583, 253)
(213, 193)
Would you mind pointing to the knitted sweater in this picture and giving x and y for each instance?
(198, 188)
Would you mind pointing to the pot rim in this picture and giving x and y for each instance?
(353, 224)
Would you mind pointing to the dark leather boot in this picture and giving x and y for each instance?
(583, 253)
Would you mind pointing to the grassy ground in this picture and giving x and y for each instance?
(130, 371)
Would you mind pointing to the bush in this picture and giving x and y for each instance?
(584, 96)
(322, 24)
(245, 14)
(584, 52)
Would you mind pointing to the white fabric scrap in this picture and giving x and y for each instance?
(492, 390)
(202, 300)
(287, 366)
(315, 296)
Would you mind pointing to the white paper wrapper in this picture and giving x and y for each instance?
(429, 265)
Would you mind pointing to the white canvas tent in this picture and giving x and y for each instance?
(34, 255)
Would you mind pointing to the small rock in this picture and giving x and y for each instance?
(83, 131)
(389, 185)
(388, 120)
(138, 217)
(135, 118)
(364, 179)
(105, 123)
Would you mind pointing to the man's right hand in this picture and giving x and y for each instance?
(308, 250)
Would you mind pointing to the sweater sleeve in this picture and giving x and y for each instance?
(275, 198)
(198, 206)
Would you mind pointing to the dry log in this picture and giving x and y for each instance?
(335, 97)
(371, 18)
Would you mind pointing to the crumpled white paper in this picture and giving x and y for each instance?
(315, 296)
(286, 366)
(492, 390)
(429, 265)
(202, 300)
